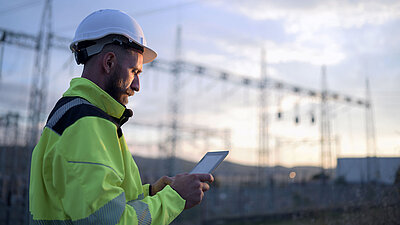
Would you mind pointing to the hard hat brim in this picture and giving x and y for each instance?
(148, 55)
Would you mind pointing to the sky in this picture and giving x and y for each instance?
(356, 40)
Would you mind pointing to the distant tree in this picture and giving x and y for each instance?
(340, 180)
(320, 176)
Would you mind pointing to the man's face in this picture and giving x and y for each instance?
(124, 81)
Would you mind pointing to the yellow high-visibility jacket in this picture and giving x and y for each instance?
(82, 171)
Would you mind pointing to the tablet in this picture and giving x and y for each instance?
(209, 162)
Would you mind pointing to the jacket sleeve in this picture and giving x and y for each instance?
(87, 172)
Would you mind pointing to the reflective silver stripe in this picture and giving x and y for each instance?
(140, 197)
(63, 109)
(108, 214)
(142, 211)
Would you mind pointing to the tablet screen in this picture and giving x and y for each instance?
(209, 162)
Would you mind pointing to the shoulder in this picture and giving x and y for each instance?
(69, 110)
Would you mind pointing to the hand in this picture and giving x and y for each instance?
(191, 187)
(160, 184)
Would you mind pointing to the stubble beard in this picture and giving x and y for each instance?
(114, 87)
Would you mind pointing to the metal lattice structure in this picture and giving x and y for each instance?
(325, 127)
(263, 136)
(175, 102)
(373, 172)
(39, 84)
(261, 84)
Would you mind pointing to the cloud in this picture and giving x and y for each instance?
(312, 15)
(315, 50)
(316, 32)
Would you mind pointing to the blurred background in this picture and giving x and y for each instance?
(304, 94)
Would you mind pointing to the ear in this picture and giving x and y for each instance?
(109, 61)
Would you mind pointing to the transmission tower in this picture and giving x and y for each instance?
(325, 129)
(324, 96)
(373, 172)
(1, 55)
(263, 138)
(176, 102)
(38, 89)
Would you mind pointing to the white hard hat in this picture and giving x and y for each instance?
(107, 22)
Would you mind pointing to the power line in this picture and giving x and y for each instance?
(147, 12)
(22, 5)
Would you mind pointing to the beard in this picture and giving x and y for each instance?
(115, 87)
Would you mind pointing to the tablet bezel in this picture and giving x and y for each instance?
(216, 153)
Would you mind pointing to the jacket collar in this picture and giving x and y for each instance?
(84, 88)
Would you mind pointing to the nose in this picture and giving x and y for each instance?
(136, 84)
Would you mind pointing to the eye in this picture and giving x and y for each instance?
(136, 71)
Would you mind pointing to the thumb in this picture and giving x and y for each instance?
(168, 180)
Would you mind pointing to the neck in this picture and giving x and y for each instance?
(95, 76)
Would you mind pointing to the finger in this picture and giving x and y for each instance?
(182, 174)
(205, 177)
(168, 180)
(205, 187)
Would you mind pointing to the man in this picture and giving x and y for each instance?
(82, 171)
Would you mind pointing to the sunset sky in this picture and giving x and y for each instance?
(354, 39)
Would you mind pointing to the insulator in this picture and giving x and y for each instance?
(279, 115)
(200, 69)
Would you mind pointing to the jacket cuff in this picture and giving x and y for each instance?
(146, 190)
(174, 199)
